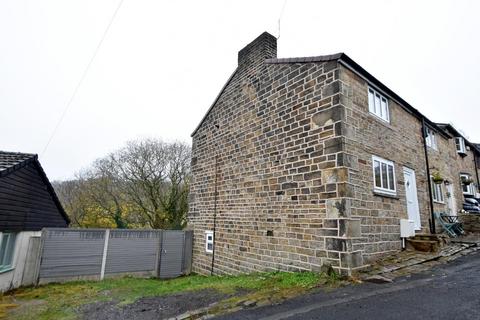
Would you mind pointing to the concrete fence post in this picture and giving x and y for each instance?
(187, 252)
(105, 250)
(158, 256)
(40, 255)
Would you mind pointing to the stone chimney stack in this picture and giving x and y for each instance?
(255, 53)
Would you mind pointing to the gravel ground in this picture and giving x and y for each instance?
(152, 308)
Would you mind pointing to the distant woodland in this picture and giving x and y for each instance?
(142, 185)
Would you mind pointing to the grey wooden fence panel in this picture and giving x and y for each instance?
(132, 251)
(71, 253)
(171, 258)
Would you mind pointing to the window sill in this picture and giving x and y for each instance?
(385, 195)
(438, 202)
(5, 270)
(381, 121)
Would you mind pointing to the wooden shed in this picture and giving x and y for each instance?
(28, 204)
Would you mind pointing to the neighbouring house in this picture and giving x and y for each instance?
(465, 166)
(302, 162)
(27, 204)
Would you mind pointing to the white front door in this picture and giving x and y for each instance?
(451, 205)
(411, 197)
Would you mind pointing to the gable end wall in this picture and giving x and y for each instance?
(279, 147)
(25, 202)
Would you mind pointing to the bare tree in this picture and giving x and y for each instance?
(154, 176)
(145, 183)
(102, 187)
(73, 200)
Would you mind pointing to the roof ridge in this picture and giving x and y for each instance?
(18, 153)
(12, 161)
(322, 58)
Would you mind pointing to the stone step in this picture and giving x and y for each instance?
(425, 236)
(423, 245)
(432, 237)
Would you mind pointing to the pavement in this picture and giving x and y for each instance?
(446, 291)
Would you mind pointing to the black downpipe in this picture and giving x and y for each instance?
(432, 215)
(214, 214)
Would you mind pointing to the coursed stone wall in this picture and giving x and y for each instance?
(288, 146)
(470, 222)
(274, 136)
(399, 141)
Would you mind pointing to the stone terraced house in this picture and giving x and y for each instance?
(303, 162)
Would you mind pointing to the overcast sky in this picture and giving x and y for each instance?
(162, 64)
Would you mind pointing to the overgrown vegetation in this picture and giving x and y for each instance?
(61, 301)
(144, 184)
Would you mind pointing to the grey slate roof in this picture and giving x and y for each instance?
(11, 161)
(450, 128)
(324, 58)
(350, 64)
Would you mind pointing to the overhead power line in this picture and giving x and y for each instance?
(82, 78)
(280, 18)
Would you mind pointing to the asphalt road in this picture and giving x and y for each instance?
(449, 291)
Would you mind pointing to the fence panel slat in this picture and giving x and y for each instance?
(132, 251)
(71, 253)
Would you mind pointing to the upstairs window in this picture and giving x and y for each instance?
(460, 145)
(378, 105)
(431, 139)
(437, 191)
(384, 176)
(209, 241)
(7, 250)
(467, 184)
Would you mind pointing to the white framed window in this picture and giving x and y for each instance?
(7, 250)
(209, 241)
(431, 139)
(437, 192)
(467, 188)
(378, 105)
(383, 176)
(460, 145)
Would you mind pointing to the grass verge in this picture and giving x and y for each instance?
(61, 301)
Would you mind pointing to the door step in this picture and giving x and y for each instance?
(426, 243)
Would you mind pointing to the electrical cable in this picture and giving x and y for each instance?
(84, 74)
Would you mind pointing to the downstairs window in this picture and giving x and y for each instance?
(7, 250)
(437, 191)
(384, 176)
(467, 184)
